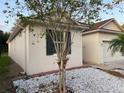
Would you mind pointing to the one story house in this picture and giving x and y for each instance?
(35, 55)
(96, 42)
(89, 46)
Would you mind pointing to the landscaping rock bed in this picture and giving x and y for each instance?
(83, 80)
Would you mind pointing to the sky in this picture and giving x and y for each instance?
(3, 26)
(7, 27)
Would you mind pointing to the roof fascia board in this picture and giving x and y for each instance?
(105, 23)
(111, 31)
(88, 32)
(103, 30)
(72, 26)
(17, 28)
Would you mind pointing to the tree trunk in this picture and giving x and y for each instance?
(62, 77)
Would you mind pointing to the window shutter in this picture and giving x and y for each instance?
(69, 42)
(50, 49)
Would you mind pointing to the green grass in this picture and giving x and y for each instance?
(5, 61)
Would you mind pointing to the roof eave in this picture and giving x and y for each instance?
(19, 26)
(15, 31)
(103, 31)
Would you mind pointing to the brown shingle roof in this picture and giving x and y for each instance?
(99, 24)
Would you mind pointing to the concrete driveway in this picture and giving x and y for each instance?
(115, 64)
(111, 65)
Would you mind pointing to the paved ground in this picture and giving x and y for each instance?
(116, 64)
(111, 65)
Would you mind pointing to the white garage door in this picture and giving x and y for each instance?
(107, 56)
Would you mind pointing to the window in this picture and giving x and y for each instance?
(50, 48)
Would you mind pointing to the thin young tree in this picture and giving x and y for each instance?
(59, 17)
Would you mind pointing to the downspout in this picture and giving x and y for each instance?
(25, 52)
(83, 47)
(82, 51)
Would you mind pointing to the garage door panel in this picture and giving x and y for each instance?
(107, 53)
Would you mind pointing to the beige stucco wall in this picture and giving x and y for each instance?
(91, 48)
(40, 62)
(29, 51)
(17, 50)
(96, 51)
(112, 26)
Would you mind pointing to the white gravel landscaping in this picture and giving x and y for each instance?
(84, 80)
